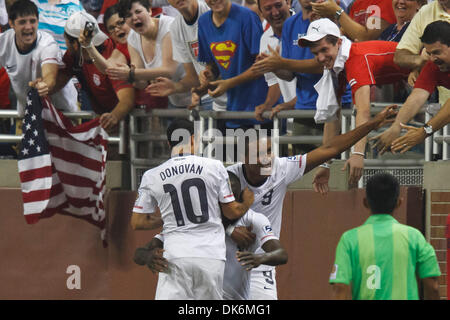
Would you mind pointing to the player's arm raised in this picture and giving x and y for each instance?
(340, 143)
(235, 210)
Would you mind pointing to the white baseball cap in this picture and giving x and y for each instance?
(76, 23)
(319, 29)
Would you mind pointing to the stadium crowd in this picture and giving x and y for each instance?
(266, 55)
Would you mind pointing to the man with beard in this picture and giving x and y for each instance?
(435, 73)
(436, 39)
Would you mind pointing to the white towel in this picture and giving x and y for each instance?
(327, 104)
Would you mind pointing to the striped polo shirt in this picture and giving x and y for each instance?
(53, 17)
(381, 258)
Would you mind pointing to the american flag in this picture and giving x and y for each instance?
(61, 166)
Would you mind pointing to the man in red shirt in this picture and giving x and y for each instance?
(436, 40)
(113, 100)
(361, 65)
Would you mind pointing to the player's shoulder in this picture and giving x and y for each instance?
(150, 173)
(208, 161)
(253, 218)
(414, 234)
(292, 161)
(350, 237)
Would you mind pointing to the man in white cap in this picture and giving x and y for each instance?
(360, 64)
(111, 99)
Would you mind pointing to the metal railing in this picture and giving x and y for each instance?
(433, 144)
(13, 138)
(206, 120)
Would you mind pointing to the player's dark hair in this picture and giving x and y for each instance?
(182, 124)
(437, 31)
(124, 6)
(22, 8)
(109, 13)
(382, 191)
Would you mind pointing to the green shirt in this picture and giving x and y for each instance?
(381, 258)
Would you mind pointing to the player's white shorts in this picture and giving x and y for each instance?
(191, 279)
(263, 285)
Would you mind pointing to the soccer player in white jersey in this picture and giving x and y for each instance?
(32, 57)
(266, 250)
(236, 282)
(268, 177)
(186, 189)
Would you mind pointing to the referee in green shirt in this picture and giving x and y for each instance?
(381, 259)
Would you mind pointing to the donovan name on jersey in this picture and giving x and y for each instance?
(181, 169)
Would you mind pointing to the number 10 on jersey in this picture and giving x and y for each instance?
(198, 184)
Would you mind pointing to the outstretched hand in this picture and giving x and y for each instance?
(320, 181)
(383, 141)
(268, 63)
(413, 137)
(386, 116)
(161, 87)
(356, 165)
(221, 87)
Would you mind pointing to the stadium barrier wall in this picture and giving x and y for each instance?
(43, 261)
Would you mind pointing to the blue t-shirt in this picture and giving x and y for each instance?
(233, 47)
(294, 28)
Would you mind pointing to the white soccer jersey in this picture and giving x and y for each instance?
(187, 190)
(185, 47)
(269, 196)
(236, 281)
(287, 88)
(23, 68)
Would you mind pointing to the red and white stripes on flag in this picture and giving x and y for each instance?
(62, 167)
